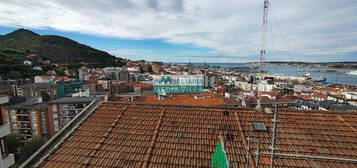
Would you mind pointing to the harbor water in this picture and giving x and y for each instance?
(333, 75)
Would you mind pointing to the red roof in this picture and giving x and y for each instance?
(327, 89)
(304, 97)
(322, 96)
(184, 100)
(151, 135)
(266, 99)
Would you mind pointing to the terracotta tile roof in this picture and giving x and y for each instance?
(148, 135)
(322, 96)
(304, 97)
(183, 99)
(266, 99)
(327, 89)
(272, 93)
(232, 101)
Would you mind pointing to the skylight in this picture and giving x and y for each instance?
(259, 126)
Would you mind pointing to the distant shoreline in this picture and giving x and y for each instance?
(337, 65)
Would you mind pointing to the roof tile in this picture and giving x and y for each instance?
(133, 135)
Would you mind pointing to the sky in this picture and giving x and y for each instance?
(226, 31)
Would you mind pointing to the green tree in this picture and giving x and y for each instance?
(14, 75)
(27, 150)
(45, 96)
(13, 142)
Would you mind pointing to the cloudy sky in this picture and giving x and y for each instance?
(195, 30)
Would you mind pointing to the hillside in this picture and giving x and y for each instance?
(54, 48)
(22, 44)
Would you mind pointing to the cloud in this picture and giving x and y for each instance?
(231, 28)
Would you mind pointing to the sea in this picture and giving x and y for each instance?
(333, 75)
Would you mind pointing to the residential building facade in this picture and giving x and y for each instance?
(6, 159)
(28, 118)
(62, 110)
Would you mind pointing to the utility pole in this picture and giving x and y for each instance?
(263, 50)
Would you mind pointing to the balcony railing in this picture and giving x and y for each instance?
(9, 160)
(4, 130)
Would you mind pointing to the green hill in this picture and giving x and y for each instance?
(22, 44)
(54, 48)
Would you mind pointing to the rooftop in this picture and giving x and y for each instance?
(322, 96)
(195, 100)
(327, 89)
(151, 135)
(32, 103)
(72, 100)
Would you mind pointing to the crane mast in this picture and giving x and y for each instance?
(263, 48)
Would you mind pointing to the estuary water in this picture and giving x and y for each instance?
(333, 75)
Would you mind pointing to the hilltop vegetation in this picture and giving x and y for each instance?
(22, 44)
(12, 67)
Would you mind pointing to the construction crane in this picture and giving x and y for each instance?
(263, 50)
(66, 71)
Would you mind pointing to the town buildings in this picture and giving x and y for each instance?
(174, 113)
(156, 67)
(68, 87)
(37, 89)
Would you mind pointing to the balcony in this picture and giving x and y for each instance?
(4, 100)
(9, 160)
(4, 130)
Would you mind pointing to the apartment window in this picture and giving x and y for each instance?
(54, 108)
(56, 125)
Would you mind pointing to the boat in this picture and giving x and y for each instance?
(320, 79)
(307, 76)
(352, 73)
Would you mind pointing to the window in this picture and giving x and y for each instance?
(259, 126)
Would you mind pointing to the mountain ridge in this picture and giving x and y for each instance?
(55, 48)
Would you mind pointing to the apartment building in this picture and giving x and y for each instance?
(37, 89)
(62, 110)
(6, 159)
(156, 67)
(28, 118)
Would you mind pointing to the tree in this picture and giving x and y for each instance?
(13, 142)
(27, 150)
(45, 96)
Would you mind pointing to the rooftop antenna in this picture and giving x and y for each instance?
(262, 51)
(247, 164)
(273, 137)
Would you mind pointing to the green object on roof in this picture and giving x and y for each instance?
(66, 88)
(219, 159)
